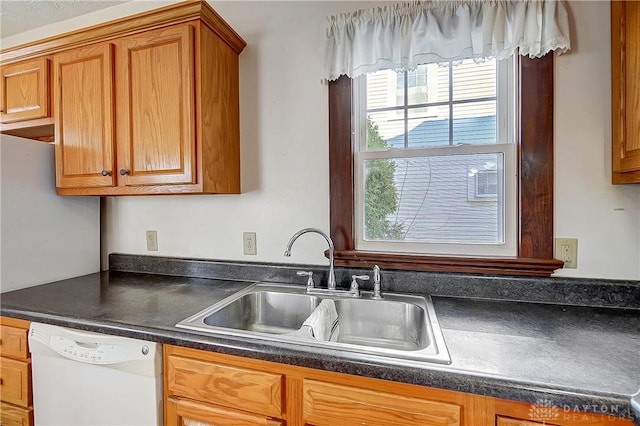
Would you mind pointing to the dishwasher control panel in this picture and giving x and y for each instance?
(92, 352)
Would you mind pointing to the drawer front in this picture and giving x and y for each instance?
(14, 382)
(325, 403)
(233, 387)
(13, 342)
(181, 411)
(505, 421)
(11, 415)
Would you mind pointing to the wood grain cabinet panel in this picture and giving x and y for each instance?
(25, 91)
(225, 385)
(156, 108)
(84, 140)
(181, 412)
(505, 421)
(326, 402)
(11, 415)
(15, 381)
(13, 342)
(625, 68)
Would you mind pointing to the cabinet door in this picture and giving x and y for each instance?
(324, 403)
(228, 385)
(625, 50)
(156, 107)
(25, 91)
(182, 412)
(14, 382)
(11, 415)
(83, 94)
(13, 342)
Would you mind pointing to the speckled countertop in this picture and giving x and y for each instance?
(571, 356)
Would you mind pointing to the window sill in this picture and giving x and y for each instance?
(523, 266)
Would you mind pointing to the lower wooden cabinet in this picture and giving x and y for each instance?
(186, 412)
(324, 402)
(15, 374)
(512, 413)
(206, 388)
(226, 390)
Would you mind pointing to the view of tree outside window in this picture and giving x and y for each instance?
(432, 164)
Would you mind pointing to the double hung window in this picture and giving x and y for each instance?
(435, 159)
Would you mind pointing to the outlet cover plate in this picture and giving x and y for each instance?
(249, 243)
(567, 251)
(152, 240)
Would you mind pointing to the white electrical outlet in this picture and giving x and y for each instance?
(249, 243)
(152, 240)
(567, 251)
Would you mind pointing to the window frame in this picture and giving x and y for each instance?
(534, 193)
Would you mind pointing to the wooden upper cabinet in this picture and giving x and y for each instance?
(25, 91)
(156, 107)
(147, 104)
(84, 142)
(625, 67)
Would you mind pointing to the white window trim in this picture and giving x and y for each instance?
(506, 130)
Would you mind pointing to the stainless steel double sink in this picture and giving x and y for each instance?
(398, 327)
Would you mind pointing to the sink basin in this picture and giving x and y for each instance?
(401, 327)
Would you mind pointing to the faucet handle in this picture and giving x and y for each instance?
(308, 274)
(354, 290)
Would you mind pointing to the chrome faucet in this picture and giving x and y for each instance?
(331, 285)
(376, 283)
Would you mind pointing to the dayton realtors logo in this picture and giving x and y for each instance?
(543, 411)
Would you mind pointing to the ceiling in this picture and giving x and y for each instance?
(17, 16)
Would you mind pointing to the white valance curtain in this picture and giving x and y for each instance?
(409, 34)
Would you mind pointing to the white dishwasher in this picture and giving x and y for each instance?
(88, 379)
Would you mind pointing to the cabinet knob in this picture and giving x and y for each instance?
(106, 173)
(124, 172)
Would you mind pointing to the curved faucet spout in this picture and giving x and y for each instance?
(332, 277)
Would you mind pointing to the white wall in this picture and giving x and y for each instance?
(44, 237)
(284, 135)
(604, 218)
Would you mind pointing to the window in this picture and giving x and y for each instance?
(534, 182)
(486, 183)
(414, 156)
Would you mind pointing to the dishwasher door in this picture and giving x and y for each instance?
(82, 378)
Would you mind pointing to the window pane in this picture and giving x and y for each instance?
(382, 90)
(472, 81)
(434, 199)
(385, 130)
(474, 123)
(426, 131)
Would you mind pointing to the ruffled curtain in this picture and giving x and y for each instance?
(409, 34)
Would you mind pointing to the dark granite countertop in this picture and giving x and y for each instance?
(571, 356)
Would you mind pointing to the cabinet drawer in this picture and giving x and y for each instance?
(13, 342)
(325, 402)
(11, 415)
(505, 421)
(14, 382)
(234, 387)
(180, 411)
